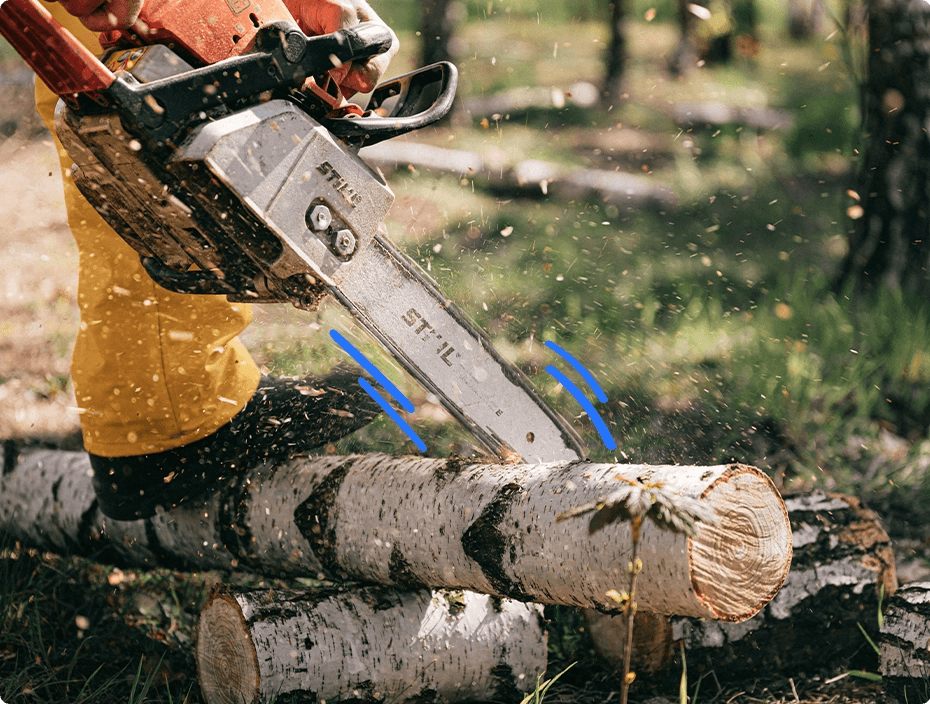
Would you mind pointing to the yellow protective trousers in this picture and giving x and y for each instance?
(152, 370)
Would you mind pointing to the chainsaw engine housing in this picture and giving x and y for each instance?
(262, 205)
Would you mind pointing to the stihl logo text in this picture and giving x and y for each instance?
(339, 183)
(414, 317)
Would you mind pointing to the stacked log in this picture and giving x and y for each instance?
(368, 644)
(904, 645)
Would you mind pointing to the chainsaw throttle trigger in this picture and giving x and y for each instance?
(401, 105)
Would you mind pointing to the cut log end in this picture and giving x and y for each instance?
(739, 562)
(227, 665)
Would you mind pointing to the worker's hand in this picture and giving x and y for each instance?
(104, 15)
(325, 16)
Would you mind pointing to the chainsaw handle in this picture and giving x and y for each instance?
(58, 58)
(401, 105)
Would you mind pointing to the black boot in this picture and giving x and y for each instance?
(283, 417)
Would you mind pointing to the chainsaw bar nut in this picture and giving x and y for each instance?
(344, 243)
(320, 218)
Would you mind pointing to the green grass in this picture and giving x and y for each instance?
(74, 631)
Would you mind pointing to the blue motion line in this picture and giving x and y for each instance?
(595, 417)
(577, 366)
(394, 415)
(355, 354)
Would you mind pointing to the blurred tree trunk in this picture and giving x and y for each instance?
(437, 27)
(805, 18)
(889, 245)
(685, 56)
(612, 91)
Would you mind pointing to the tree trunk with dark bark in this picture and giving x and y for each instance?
(412, 521)
(806, 18)
(843, 561)
(685, 57)
(612, 91)
(437, 30)
(367, 645)
(889, 244)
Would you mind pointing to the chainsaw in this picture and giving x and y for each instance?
(211, 140)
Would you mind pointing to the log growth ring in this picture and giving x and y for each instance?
(741, 561)
(227, 665)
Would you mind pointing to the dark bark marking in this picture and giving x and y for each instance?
(484, 543)
(298, 697)
(400, 572)
(316, 518)
(10, 456)
(427, 696)
(234, 528)
(505, 682)
(449, 470)
(378, 598)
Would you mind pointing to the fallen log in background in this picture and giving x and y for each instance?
(410, 521)
(904, 645)
(367, 645)
(530, 178)
(842, 558)
(717, 114)
(525, 98)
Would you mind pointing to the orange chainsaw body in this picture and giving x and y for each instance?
(206, 31)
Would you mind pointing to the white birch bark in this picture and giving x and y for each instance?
(904, 645)
(410, 521)
(368, 645)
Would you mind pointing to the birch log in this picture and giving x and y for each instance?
(367, 645)
(412, 521)
(904, 645)
(842, 558)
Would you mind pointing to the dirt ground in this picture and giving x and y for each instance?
(38, 296)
